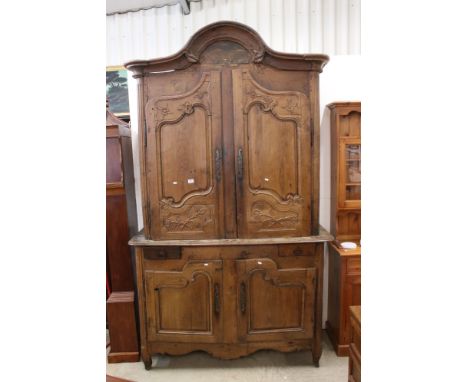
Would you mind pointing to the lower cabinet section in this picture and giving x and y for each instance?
(230, 301)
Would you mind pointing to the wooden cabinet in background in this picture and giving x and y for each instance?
(344, 277)
(121, 224)
(354, 370)
(344, 290)
(231, 260)
(345, 214)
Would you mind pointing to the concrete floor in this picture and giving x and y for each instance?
(263, 366)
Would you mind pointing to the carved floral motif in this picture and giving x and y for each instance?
(291, 106)
(270, 218)
(289, 199)
(268, 103)
(173, 108)
(194, 219)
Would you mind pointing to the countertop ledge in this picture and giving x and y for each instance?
(140, 240)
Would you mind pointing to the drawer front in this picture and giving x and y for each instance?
(295, 250)
(353, 265)
(162, 253)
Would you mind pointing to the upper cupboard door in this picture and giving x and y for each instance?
(184, 162)
(273, 159)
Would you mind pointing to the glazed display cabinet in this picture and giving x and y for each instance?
(344, 277)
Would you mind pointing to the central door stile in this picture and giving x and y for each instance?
(229, 195)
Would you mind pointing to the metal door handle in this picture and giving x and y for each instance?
(240, 164)
(218, 161)
(217, 305)
(242, 297)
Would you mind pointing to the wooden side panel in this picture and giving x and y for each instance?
(351, 297)
(184, 162)
(274, 304)
(344, 290)
(354, 371)
(350, 124)
(114, 173)
(185, 306)
(117, 236)
(122, 328)
(348, 224)
(273, 159)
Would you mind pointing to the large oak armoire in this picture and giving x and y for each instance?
(230, 260)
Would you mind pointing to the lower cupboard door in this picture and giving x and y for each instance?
(274, 304)
(185, 306)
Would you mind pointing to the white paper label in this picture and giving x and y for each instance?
(190, 180)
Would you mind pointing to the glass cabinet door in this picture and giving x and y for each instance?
(350, 173)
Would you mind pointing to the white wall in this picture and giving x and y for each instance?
(296, 26)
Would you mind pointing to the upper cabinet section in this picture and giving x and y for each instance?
(229, 138)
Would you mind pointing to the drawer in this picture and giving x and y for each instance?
(162, 253)
(295, 250)
(353, 265)
(254, 251)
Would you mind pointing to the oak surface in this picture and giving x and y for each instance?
(231, 257)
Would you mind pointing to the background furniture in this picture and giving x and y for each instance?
(355, 345)
(121, 224)
(344, 278)
(231, 259)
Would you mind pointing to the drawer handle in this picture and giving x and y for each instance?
(217, 305)
(298, 252)
(242, 297)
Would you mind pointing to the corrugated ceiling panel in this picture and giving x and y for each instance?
(298, 26)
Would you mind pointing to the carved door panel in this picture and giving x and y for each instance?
(184, 162)
(274, 304)
(185, 306)
(273, 159)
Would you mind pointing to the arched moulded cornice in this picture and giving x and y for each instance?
(235, 32)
